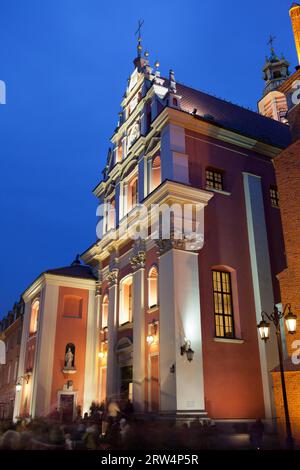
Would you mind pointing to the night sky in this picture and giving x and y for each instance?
(66, 64)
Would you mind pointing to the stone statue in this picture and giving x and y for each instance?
(69, 359)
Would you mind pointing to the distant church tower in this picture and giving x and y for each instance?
(295, 18)
(275, 72)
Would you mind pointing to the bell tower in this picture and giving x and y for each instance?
(275, 72)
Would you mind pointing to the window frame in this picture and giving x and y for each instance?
(274, 198)
(215, 183)
(152, 268)
(223, 315)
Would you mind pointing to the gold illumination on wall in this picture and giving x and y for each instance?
(295, 18)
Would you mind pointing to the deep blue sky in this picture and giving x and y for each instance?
(65, 64)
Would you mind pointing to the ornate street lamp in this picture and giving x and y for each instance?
(264, 331)
(20, 381)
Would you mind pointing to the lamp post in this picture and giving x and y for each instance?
(264, 331)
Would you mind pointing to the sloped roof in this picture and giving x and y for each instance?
(81, 271)
(234, 117)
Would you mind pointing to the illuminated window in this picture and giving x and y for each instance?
(132, 196)
(156, 172)
(274, 196)
(104, 320)
(119, 152)
(223, 308)
(125, 314)
(214, 179)
(153, 287)
(34, 317)
(72, 306)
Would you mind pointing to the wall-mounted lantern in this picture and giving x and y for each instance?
(151, 337)
(20, 381)
(186, 349)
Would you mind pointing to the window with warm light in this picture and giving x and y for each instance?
(132, 196)
(125, 314)
(274, 196)
(223, 305)
(214, 179)
(119, 152)
(104, 319)
(111, 214)
(156, 173)
(153, 287)
(34, 317)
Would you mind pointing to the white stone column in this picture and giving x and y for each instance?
(111, 380)
(181, 381)
(138, 265)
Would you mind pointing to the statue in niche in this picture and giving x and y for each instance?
(69, 356)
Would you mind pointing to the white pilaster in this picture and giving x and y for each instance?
(91, 366)
(111, 381)
(262, 279)
(43, 367)
(138, 338)
(180, 318)
(21, 366)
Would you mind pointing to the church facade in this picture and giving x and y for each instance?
(166, 318)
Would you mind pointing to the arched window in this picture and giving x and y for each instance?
(125, 311)
(70, 356)
(175, 102)
(156, 172)
(104, 313)
(72, 306)
(35, 307)
(132, 194)
(153, 287)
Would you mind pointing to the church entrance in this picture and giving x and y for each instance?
(66, 406)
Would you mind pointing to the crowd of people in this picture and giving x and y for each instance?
(111, 426)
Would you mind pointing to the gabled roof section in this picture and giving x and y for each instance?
(79, 271)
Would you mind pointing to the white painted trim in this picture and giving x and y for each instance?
(229, 340)
(219, 191)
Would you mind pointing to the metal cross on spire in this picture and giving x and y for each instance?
(138, 31)
(271, 41)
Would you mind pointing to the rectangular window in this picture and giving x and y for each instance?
(274, 196)
(223, 309)
(214, 179)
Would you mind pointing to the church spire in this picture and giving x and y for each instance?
(295, 18)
